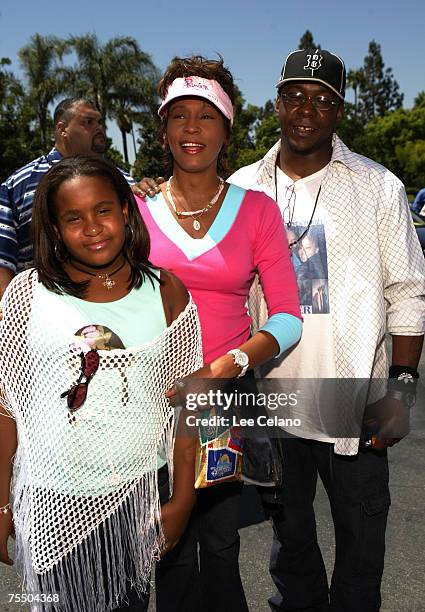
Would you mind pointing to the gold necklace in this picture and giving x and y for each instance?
(194, 214)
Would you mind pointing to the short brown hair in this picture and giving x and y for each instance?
(65, 109)
(199, 66)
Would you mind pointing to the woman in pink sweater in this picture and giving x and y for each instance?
(215, 237)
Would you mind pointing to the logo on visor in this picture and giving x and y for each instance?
(314, 61)
(191, 82)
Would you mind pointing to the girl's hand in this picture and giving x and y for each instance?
(174, 517)
(6, 530)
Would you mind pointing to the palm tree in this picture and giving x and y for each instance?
(40, 60)
(131, 95)
(11, 88)
(118, 76)
(355, 79)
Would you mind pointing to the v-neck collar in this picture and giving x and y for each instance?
(195, 247)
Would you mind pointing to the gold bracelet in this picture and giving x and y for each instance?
(5, 509)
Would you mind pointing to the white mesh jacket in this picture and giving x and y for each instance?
(376, 266)
(86, 501)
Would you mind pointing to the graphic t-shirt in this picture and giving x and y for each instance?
(131, 321)
(313, 356)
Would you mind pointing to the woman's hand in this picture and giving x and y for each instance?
(260, 348)
(6, 530)
(174, 517)
(223, 367)
(148, 186)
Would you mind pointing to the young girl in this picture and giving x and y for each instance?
(215, 237)
(89, 342)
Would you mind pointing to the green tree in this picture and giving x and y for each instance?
(378, 89)
(397, 141)
(40, 60)
(119, 77)
(150, 156)
(419, 101)
(115, 157)
(351, 127)
(242, 148)
(411, 158)
(307, 41)
(257, 130)
(19, 141)
(267, 130)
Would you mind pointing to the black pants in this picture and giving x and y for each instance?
(358, 492)
(211, 583)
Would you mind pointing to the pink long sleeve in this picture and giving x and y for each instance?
(220, 273)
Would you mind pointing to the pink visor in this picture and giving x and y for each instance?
(200, 88)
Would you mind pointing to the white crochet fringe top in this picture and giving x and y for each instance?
(85, 492)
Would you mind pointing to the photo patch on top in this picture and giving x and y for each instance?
(221, 463)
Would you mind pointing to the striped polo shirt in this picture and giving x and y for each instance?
(16, 198)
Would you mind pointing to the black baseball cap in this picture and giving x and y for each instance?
(315, 65)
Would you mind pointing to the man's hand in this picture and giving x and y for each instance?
(388, 421)
(174, 516)
(6, 530)
(148, 186)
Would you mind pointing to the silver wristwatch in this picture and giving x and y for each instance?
(241, 360)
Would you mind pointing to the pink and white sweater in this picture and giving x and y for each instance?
(247, 237)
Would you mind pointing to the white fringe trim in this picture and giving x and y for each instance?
(117, 555)
(95, 577)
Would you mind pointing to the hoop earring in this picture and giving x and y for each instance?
(60, 251)
(129, 234)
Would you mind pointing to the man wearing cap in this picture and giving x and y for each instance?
(373, 272)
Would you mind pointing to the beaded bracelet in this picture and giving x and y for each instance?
(5, 509)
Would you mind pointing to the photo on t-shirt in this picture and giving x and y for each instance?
(99, 337)
(310, 261)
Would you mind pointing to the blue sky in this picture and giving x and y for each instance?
(253, 36)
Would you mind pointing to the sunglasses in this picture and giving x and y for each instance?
(297, 98)
(77, 394)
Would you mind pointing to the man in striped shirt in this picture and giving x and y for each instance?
(79, 130)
